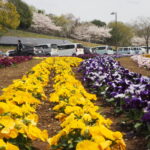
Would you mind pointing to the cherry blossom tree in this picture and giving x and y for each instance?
(91, 32)
(43, 24)
(137, 41)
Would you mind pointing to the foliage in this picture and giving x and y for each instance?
(121, 34)
(67, 22)
(24, 12)
(98, 23)
(9, 18)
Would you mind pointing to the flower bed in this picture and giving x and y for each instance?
(128, 92)
(8, 61)
(18, 118)
(87, 56)
(143, 61)
(82, 126)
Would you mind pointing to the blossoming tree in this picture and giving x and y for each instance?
(43, 23)
(91, 32)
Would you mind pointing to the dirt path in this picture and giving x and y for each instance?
(47, 117)
(8, 74)
(128, 63)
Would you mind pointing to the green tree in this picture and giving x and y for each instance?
(121, 34)
(24, 12)
(98, 23)
(67, 22)
(9, 17)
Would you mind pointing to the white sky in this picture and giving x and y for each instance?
(87, 10)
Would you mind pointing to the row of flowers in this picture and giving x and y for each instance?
(83, 128)
(9, 61)
(129, 92)
(18, 118)
(142, 61)
(87, 56)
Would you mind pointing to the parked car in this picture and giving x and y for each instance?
(72, 49)
(26, 51)
(103, 50)
(125, 50)
(139, 50)
(2, 53)
(87, 50)
(145, 49)
(47, 49)
(131, 50)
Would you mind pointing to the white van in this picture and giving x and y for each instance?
(139, 50)
(47, 49)
(126, 50)
(71, 49)
(103, 50)
(130, 50)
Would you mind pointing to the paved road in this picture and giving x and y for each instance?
(11, 40)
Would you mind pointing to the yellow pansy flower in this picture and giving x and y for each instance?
(87, 145)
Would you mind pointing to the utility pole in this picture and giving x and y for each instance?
(116, 42)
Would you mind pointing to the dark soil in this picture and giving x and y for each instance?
(47, 118)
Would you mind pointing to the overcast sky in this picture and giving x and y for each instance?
(87, 10)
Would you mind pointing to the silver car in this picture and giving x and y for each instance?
(47, 49)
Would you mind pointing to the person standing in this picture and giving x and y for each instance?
(19, 46)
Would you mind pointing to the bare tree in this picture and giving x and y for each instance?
(142, 26)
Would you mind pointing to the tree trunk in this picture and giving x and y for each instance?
(147, 45)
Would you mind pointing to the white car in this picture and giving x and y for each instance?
(72, 49)
(8, 52)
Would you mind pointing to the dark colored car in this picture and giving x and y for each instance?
(87, 50)
(26, 51)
